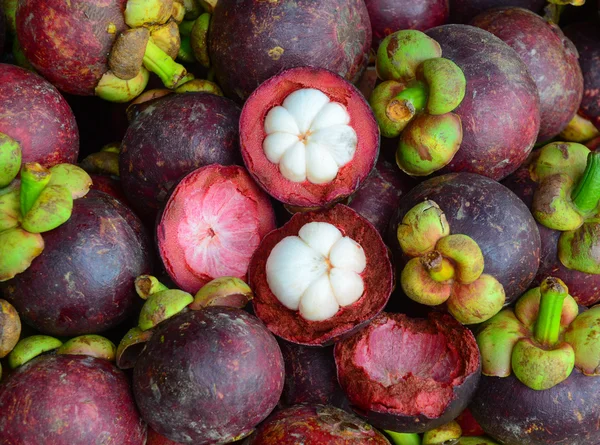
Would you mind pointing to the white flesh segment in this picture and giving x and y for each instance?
(280, 120)
(318, 302)
(291, 268)
(320, 236)
(321, 168)
(340, 140)
(347, 286)
(304, 105)
(331, 114)
(293, 163)
(348, 254)
(276, 144)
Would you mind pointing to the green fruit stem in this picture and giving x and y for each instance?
(587, 193)
(170, 72)
(408, 102)
(553, 294)
(404, 438)
(34, 178)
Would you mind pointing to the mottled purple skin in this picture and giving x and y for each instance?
(69, 400)
(171, 138)
(567, 414)
(252, 40)
(34, 113)
(388, 16)
(500, 113)
(208, 376)
(378, 197)
(463, 11)
(310, 376)
(489, 213)
(550, 57)
(586, 37)
(67, 41)
(82, 283)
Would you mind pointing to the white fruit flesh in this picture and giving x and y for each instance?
(317, 271)
(308, 136)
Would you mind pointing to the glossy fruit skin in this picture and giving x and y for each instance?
(251, 40)
(176, 135)
(489, 213)
(35, 114)
(208, 376)
(69, 42)
(514, 414)
(551, 58)
(500, 112)
(388, 16)
(69, 400)
(82, 283)
(463, 11)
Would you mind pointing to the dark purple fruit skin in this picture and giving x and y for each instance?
(378, 197)
(550, 57)
(500, 112)
(69, 400)
(34, 113)
(250, 41)
(178, 134)
(463, 11)
(82, 283)
(489, 213)
(586, 37)
(388, 16)
(208, 376)
(567, 414)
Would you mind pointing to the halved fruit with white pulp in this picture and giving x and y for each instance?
(322, 275)
(308, 137)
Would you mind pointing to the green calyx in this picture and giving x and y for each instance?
(10, 207)
(30, 347)
(103, 162)
(10, 159)
(200, 86)
(114, 89)
(10, 330)
(403, 438)
(223, 291)
(146, 285)
(387, 109)
(446, 85)
(19, 249)
(52, 208)
(90, 345)
(34, 178)
(584, 335)
(446, 268)
(167, 38)
(161, 306)
(443, 435)
(540, 368)
(131, 346)
(147, 12)
(75, 179)
(186, 54)
(199, 39)
(579, 130)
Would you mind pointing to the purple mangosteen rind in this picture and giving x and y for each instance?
(463, 11)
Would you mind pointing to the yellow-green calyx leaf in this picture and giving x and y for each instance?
(52, 208)
(10, 327)
(403, 438)
(19, 249)
(34, 179)
(200, 86)
(421, 228)
(223, 291)
(445, 434)
(446, 82)
(584, 335)
(114, 89)
(147, 12)
(146, 285)
(579, 130)
(72, 177)
(131, 346)
(10, 159)
(90, 345)
(577, 249)
(161, 306)
(199, 39)
(30, 347)
(10, 206)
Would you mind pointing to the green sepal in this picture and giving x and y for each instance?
(185, 54)
(30, 347)
(443, 435)
(552, 205)
(19, 249)
(10, 159)
(34, 178)
(72, 177)
(223, 291)
(584, 335)
(383, 102)
(579, 129)
(560, 158)
(10, 206)
(147, 12)
(403, 438)
(447, 85)
(113, 89)
(131, 346)
(90, 345)
(577, 249)
(199, 39)
(528, 306)
(146, 285)
(465, 253)
(478, 301)
(476, 441)
(10, 327)
(418, 285)
(161, 306)
(200, 86)
(421, 228)
(52, 208)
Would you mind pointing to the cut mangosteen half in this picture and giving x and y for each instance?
(211, 225)
(409, 374)
(322, 275)
(308, 137)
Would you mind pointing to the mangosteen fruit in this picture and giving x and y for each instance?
(34, 113)
(106, 49)
(324, 274)
(550, 57)
(82, 282)
(388, 16)
(172, 137)
(541, 370)
(72, 395)
(308, 137)
(463, 11)
(250, 41)
(211, 225)
(409, 374)
(315, 425)
(465, 240)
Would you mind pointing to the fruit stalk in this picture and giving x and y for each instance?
(547, 327)
(34, 179)
(587, 193)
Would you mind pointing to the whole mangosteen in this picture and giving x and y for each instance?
(463, 11)
(35, 114)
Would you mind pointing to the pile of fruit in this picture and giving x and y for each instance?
(299, 222)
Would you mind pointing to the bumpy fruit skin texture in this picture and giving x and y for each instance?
(83, 282)
(69, 400)
(463, 11)
(500, 112)
(172, 137)
(512, 413)
(251, 40)
(35, 114)
(315, 425)
(252, 134)
(69, 42)
(229, 200)
(377, 279)
(388, 16)
(391, 378)
(208, 376)
(550, 57)
(489, 213)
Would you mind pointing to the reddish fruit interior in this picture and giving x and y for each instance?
(252, 134)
